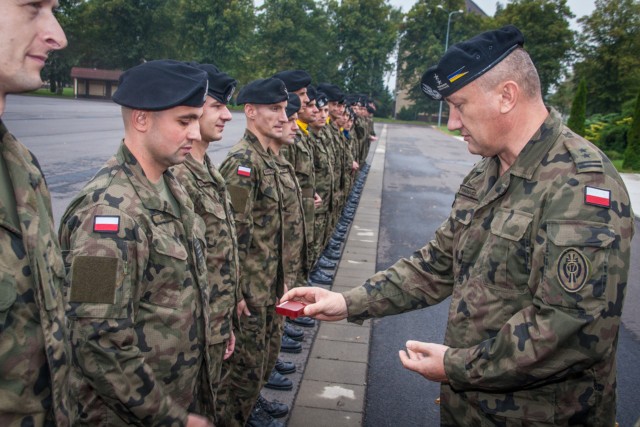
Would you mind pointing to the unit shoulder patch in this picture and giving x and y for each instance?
(573, 270)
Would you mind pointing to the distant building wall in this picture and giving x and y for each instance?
(94, 83)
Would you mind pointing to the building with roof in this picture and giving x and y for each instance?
(94, 83)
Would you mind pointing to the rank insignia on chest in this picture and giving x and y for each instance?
(106, 224)
(597, 197)
(244, 171)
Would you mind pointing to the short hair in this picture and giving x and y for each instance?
(517, 66)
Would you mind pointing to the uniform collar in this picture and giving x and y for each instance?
(534, 151)
(145, 189)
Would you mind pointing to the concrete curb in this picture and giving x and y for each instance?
(333, 386)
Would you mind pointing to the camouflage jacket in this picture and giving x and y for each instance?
(295, 254)
(137, 285)
(536, 264)
(34, 354)
(323, 165)
(211, 201)
(361, 133)
(300, 155)
(250, 173)
(337, 160)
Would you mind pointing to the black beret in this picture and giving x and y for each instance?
(333, 92)
(221, 85)
(263, 91)
(294, 79)
(312, 93)
(293, 104)
(160, 85)
(464, 62)
(321, 99)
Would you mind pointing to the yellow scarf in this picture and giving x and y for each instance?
(304, 127)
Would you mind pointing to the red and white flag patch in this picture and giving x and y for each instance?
(106, 224)
(597, 197)
(244, 171)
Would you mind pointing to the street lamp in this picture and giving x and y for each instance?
(446, 46)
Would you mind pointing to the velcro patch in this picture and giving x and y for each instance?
(106, 224)
(244, 171)
(239, 196)
(597, 197)
(93, 279)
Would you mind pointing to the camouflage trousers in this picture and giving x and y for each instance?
(216, 351)
(320, 230)
(247, 370)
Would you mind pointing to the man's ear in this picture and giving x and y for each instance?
(509, 96)
(250, 111)
(140, 120)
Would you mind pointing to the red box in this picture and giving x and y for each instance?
(292, 309)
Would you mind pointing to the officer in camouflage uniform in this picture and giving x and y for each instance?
(34, 354)
(136, 269)
(250, 172)
(534, 255)
(211, 201)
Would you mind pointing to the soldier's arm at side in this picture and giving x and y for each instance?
(241, 191)
(102, 276)
(563, 331)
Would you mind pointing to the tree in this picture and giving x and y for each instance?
(367, 31)
(579, 109)
(220, 32)
(297, 34)
(422, 41)
(548, 38)
(609, 54)
(632, 153)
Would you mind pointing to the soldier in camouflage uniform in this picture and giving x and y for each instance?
(534, 255)
(211, 201)
(250, 172)
(136, 269)
(34, 353)
(323, 165)
(300, 154)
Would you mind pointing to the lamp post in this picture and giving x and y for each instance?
(446, 46)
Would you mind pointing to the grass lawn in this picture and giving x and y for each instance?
(67, 92)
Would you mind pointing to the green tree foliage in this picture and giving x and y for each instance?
(548, 38)
(367, 31)
(632, 153)
(221, 32)
(422, 43)
(579, 109)
(297, 34)
(608, 48)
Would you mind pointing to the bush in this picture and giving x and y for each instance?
(406, 114)
(613, 137)
(632, 153)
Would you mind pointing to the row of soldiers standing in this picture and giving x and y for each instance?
(168, 269)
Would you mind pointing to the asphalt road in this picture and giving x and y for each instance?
(73, 138)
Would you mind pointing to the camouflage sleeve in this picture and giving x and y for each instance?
(423, 280)
(104, 270)
(241, 189)
(578, 276)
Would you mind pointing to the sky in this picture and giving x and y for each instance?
(578, 7)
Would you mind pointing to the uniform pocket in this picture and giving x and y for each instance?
(505, 258)
(7, 294)
(165, 270)
(519, 408)
(576, 259)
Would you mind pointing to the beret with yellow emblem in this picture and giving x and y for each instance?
(464, 62)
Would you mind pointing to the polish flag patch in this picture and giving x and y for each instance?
(597, 197)
(244, 171)
(106, 224)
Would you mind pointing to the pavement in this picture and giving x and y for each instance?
(331, 379)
